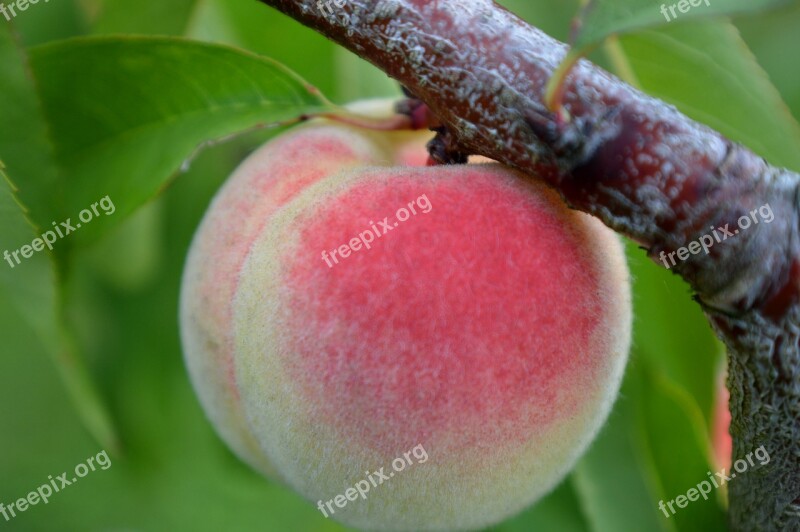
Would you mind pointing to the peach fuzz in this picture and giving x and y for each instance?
(492, 329)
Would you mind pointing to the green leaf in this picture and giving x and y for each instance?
(602, 18)
(771, 36)
(692, 358)
(25, 148)
(30, 283)
(673, 433)
(140, 109)
(706, 70)
(30, 287)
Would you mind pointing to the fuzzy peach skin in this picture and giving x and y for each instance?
(268, 179)
(491, 327)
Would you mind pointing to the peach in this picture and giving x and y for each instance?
(342, 307)
(263, 183)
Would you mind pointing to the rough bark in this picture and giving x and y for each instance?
(637, 164)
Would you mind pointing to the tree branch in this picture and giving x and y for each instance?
(637, 164)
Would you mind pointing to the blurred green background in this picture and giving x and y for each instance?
(170, 471)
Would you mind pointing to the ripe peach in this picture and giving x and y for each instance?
(271, 177)
(341, 307)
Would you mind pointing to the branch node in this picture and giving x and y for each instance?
(574, 142)
(444, 148)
